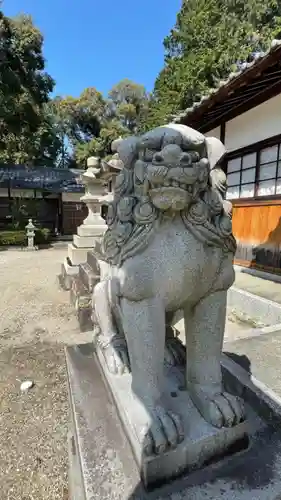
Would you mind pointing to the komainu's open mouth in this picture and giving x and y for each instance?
(174, 197)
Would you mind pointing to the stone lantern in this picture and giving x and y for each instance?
(30, 233)
(93, 225)
(95, 179)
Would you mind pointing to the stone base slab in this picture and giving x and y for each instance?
(29, 249)
(84, 241)
(77, 255)
(202, 442)
(102, 465)
(87, 230)
(70, 268)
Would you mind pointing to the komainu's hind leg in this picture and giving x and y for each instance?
(174, 348)
(111, 341)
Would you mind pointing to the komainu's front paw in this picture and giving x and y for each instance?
(116, 356)
(164, 431)
(220, 409)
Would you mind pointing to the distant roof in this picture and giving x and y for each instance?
(249, 86)
(43, 178)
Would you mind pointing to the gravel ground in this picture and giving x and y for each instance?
(36, 321)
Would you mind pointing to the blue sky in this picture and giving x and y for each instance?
(99, 42)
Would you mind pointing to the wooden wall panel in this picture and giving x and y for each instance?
(73, 215)
(258, 224)
(257, 229)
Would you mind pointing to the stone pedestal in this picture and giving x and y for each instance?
(103, 464)
(92, 228)
(202, 443)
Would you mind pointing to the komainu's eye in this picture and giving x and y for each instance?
(194, 155)
(148, 154)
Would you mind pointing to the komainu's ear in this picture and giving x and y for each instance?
(127, 150)
(139, 171)
(216, 151)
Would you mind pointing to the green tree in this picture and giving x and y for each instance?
(209, 38)
(78, 123)
(129, 103)
(10, 69)
(83, 115)
(89, 123)
(61, 122)
(26, 133)
(100, 146)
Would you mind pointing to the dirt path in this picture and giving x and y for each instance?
(36, 321)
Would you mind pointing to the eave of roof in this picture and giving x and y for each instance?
(41, 178)
(220, 97)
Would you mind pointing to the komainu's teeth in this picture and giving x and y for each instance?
(166, 183)
(175, 183)
(183, 185)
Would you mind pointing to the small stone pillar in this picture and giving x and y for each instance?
(30, 233)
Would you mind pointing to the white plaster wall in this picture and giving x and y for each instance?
(255, 125)
(19, 193)
(72, 197)
(215, 132)
(22, 193)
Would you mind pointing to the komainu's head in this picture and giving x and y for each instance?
(166, 170)
(171, 165)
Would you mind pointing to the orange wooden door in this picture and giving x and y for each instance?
(257, 229)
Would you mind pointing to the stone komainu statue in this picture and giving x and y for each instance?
(168, 247)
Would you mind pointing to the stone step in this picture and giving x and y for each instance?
(78, 290)
(93, 262)
(76, 255)
(84, 316)
(84, 241)
(88, 276)
(81, 299)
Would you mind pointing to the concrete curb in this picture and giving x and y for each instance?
(258, 308)
(253, 332)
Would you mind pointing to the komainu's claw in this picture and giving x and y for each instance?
(164, 432)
